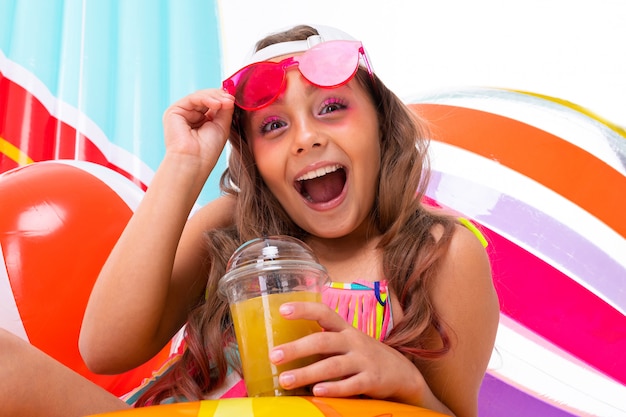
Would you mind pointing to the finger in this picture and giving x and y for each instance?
(200, 103)
(327, 318)
(336, 376)
(346, 387)
(199, 97)
(332, 368)
(221, 110)
(197, 114)
(322, 343)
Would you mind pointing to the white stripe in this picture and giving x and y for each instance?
(10, 318)
(564, 122)
(505, 181)
(541, 369)
(76, 119)
(128, 191)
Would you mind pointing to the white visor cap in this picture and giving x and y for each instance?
(326, 33)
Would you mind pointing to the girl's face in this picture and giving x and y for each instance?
(318, 151)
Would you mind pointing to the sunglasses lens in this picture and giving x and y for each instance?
(330, 64)
(257, 85)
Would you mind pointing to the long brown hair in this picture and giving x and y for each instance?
(410, 251)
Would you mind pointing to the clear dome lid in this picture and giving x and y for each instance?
(270, 254)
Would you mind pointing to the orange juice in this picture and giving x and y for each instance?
(259, 327)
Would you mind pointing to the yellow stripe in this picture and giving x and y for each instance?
(207, 408)
(259, 407)
(475, 230)
(380, 317)
(14, 152)
(240, 407)
(617, 129)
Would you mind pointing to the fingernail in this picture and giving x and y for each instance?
(286, 379)
(277, 355)
(286, 309)
(319, 391)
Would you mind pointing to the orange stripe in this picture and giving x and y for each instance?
(557, 164)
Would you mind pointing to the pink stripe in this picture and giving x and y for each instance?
(237, 391)
(558, 308)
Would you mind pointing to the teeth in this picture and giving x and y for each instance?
(319, 172)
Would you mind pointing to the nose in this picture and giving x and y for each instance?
(307, 136)
(307, 130)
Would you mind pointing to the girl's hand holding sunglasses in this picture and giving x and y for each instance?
(198, 125)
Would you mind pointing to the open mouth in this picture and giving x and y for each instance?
(323, 184)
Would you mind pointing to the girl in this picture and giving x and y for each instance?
(323, 151)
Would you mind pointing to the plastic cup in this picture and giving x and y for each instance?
(261, 275)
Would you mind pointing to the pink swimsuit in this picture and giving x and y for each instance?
(365, 305)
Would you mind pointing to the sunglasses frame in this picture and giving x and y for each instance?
(231, 84)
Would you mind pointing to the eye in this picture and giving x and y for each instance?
(332, 105)
(271, 124)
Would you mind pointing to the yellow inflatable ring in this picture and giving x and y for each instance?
(279, 407)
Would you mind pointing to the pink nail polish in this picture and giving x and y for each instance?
(286, 309)
(277, 355)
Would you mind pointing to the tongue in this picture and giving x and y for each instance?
(324, 188)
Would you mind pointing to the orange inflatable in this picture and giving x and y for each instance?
(58, 222)
(279, 407)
